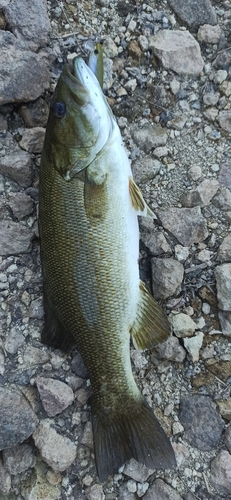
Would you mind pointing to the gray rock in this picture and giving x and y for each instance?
(156, 242)
(13, 341)
(110, 48)
(95, 492)
(5, 480)
(36, 309)
(211, 98)
(221, 471)
(58, 451)
(178, 51)
(193, 345)
(186, 224)
(209, 34)
(17, 166)
(35, 114)
(35, 356)
(78, 366)
(167, 276)
(18, 420)
(171, 349)
(18, 459)
(55, 395)
(228, 437)
(224, 119)
(137, 471)
(225, 322)
(223, 59)
(145, 169)
(38, 487)
(225, 174)
(30, 24)
(202, 195)
(223, 280)
(223, 199)
(182, 324)
(14, 238)
(32, 139)
(203, 424)
(21, 205)
(161, 491)
(24, 75)
(150, 137)
(188, 11)
(224, 251)
(87, 438)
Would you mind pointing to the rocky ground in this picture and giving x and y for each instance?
(168, 80)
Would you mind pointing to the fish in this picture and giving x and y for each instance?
(93, 296)
(95, 63)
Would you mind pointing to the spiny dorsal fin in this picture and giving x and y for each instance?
(137, 200)
(151, 325)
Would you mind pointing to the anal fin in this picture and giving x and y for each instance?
(151, 325)
(137, 200)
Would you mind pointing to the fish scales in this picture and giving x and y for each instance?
(89, 250)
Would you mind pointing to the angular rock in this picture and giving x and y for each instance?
(109, 47)
(167, 276)
(225, 322)
(150, 137)
(221, 471)
(224, 119)
(95, 492)
(58, 451)
(14, 238)
(225, 408)
(18, 420)
(29, 25)
(225, 174)
(37, 486)
(55, 395)
(32, 139)
(137, 471)
(171, 349)
(188, 11)
(35, 114)
(203, 424)
(181, 453)
(178, 51)
(18, 458)
(223, 199)
(193, 345)
(187, 224)
(78, 366)
(161, 491)
(224, 251)
(222, 369)
(202, 195)
(17, 166)
(36, 309)
(223, 280)
(182, 324)
(228, 437)
(24, 75)
(156, 243)
(5, 480)
(35, 356)
(145, 169)
(21, 205)
(209, 34)
(87, 438)
(13, 341)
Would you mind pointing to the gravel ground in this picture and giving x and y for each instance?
(168, 81)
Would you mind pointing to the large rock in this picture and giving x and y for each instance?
(18, 421)
(14, 238)
(57, 451)
(194, 14)
(55, 395)
(150, 137)
(29, 22)
(17, 166)
(202, 195)
(167, 276)
(225, 174)
(177, 51)
(224, 251)
(24, 75)
(223, 279)
(221, 471)
(161, 491)
(187, 224)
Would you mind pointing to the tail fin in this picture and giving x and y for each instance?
(132, 434)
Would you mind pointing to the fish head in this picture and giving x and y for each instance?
(80, 121)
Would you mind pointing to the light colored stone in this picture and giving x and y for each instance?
(193, 345)
(21, 205)
(186, 224)
(225, 408)
(95, 492)
(15, 238)
(224, 251)
(160, 490)
(194, 172)
(221, 471)
(167, 276)
(37, 486)
(58, 451)
(202, 195)
(55, 395)
(181, 253)
(178, 51)
(137, 471)
(109, 47)
(5, 480)
(150, 137)
(35, 356)
(190, 14)
(181, 453)
(223, 280)
(171, 349)
(225, 322)
(13, 341)
(32, 139)
(224, 119)
(183, 325)
(18, 459)
(209, 34)
(17, 166)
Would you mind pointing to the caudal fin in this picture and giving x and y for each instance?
(132, 434)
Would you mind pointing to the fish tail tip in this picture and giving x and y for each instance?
(133, 434)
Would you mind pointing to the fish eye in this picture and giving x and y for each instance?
(96, 52)
(59, 109)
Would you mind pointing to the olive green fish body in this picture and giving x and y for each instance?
(89, 250)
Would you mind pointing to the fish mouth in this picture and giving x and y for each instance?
(72, 77)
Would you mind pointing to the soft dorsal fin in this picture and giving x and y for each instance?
(151, 325)
(137, 200)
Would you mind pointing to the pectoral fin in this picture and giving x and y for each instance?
(95, 194)
(137, 200)
(151, 325)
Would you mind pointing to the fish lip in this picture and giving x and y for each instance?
(76, 86)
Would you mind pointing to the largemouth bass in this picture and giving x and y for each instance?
(93, 296)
